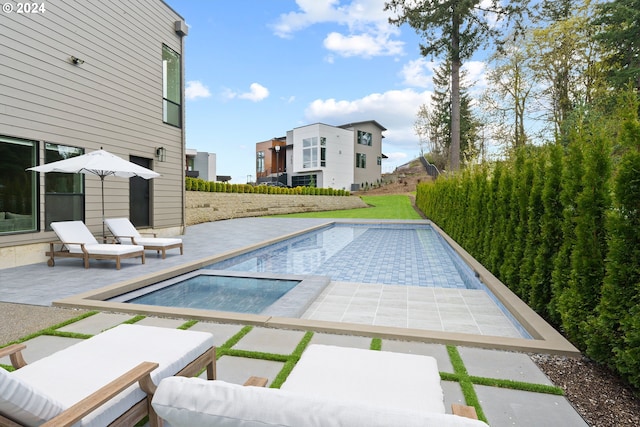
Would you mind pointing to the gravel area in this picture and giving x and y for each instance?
(597, 394)
(19, 320)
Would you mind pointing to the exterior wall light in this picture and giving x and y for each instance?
(161, 154)
(76, 61)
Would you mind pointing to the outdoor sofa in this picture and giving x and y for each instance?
(126, 234)
(106, 380)
(76, 241)
(329, 386)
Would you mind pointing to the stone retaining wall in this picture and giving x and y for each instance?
(204, 207)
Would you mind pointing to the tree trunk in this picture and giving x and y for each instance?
(454, 148)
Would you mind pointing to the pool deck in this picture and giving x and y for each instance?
(483, 355)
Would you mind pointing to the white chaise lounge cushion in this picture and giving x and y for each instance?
(124, 230)
(24, 403)
(77, 232)
(71, 374)
(382, 378)
(194, 402)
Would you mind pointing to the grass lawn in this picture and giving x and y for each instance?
(394, 206)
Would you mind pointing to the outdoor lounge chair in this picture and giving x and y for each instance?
(126, 233)
(76, 241)
(93, 383)
(329, 386)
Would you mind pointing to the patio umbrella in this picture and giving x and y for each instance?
(100, 163)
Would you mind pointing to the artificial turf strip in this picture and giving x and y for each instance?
(517, 385)
(187, 325)
(470, 396)
(292, 361)
(376, 344)
(234, 339)
(134, 319)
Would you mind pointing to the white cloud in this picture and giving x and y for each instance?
(256, 93)
(368, 30)
(366, 45)
(418, 73)
(195, 89)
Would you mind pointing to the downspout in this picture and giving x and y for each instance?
(182, 30)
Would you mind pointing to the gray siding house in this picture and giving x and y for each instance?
(79, 76)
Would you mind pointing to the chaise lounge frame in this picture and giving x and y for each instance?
(140, 374)
(76, 241)
(147, 243)
(63, 252)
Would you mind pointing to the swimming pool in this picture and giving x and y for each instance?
(389, 254)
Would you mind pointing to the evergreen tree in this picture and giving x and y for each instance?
(517, 221)
(571, 186)
(535, 208)
(550, 238)
(618, 25)
(581, 296)
(454, 29)
(613, 332)
(435, 120)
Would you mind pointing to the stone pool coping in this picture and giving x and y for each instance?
(545, 338)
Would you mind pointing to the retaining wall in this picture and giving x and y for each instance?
(204, 207)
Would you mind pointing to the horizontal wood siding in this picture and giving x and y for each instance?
(113, 100)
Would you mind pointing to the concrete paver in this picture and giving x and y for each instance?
(504, 407)
(502, 364)
(438, 351)
(341, 340)
(238, 369)
(221, 331)
(97, 323)
(276, 341)
(42, 346)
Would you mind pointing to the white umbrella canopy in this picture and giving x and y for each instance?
(100, 163)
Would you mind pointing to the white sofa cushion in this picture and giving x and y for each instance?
(24, 403)
(194, 402)
(398, 380)
(74, 373)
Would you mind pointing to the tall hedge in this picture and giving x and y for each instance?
(560, 226)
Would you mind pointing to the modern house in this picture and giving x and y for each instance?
(342, 157)
(77, 77)
(271, 161)
(201, 164)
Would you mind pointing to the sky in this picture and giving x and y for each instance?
(255, 69)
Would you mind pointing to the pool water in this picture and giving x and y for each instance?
(223, 293)
(389, 254)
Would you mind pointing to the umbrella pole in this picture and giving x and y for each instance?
(104, 236)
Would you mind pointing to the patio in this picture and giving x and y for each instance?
(33, 285)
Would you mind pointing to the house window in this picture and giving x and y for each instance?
(364, 138)
(323, 151)
(64, 192)
(304, 180)
(310, 152)
(379, 161)
(260, 162)
(361, 160)
(171, 87)
(18, 187)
